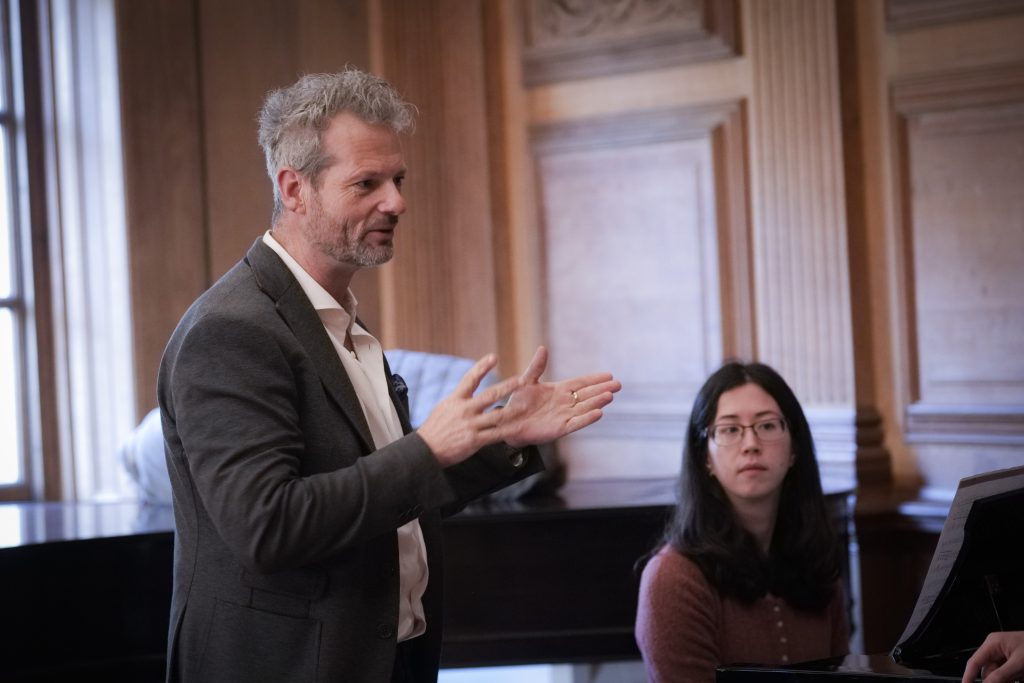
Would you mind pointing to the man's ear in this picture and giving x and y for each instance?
(289, 185)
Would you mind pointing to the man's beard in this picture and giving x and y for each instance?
(343, 245)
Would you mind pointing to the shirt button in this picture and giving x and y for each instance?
(785, 658)
(783, 640)
(779, 624)
(384, 631)
(776, 608)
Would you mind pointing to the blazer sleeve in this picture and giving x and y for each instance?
(490, 469)
(232, 390)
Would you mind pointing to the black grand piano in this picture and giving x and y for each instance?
(975, 585)
(85, 588)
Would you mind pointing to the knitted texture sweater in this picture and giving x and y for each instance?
(685, 628)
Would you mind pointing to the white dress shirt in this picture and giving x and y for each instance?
(365, 369)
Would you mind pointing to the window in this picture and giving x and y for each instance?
(66, 384)
(13, 363)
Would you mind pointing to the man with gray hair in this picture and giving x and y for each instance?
(307, 510)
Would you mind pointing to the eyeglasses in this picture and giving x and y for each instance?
(766, 431)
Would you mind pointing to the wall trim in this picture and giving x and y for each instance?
(603, 42)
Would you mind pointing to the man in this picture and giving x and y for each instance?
(307, 510)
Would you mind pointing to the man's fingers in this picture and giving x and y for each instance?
(536, 367)
(584, 393)
(590, 381)
(471, 380)
(594, 402)
(496, 392)
(580, 421)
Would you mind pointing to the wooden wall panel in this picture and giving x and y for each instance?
(968, 253)
(161, 118)
(193, 76)
(962, 155)
(632, 253)
(438, 294)
(517, 248)
(248, 48)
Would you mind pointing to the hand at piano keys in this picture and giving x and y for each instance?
(1000, 659)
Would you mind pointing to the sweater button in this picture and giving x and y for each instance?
(385, 631)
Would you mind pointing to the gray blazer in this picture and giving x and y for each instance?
(286, 559)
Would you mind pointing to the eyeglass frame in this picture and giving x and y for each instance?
(709, 431)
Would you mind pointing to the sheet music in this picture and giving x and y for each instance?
(951, 539)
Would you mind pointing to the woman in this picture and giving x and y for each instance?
(748, 568)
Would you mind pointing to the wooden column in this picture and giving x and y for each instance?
(801, 272)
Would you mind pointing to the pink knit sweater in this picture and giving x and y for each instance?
(685, 628)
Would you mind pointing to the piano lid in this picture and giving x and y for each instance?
(975, 583)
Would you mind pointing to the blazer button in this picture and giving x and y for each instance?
(385, 631)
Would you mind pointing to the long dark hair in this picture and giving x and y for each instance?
(803, 561)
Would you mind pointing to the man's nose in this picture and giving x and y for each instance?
(393, 202)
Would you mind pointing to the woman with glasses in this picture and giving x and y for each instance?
(748, 568)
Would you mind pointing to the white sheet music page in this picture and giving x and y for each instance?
(970, 490)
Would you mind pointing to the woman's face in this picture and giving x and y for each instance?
(749, 445)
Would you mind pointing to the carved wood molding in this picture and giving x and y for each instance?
(908, 14)
(835, 429)
(566, 40)
(966, 424)
(959, 89)
(631, 128)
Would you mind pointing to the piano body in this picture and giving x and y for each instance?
(86, 588)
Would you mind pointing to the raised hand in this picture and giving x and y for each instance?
(539, 412)
(536, 412)
(460, 424)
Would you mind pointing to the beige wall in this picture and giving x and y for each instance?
(939, 103)
(796, 181)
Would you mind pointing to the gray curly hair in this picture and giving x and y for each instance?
(292, 120)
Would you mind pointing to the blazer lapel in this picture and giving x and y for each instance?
(274, 279)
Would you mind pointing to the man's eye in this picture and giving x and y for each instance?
(365, 184)
(399, 180)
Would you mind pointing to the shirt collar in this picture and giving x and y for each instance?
(317, 295)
